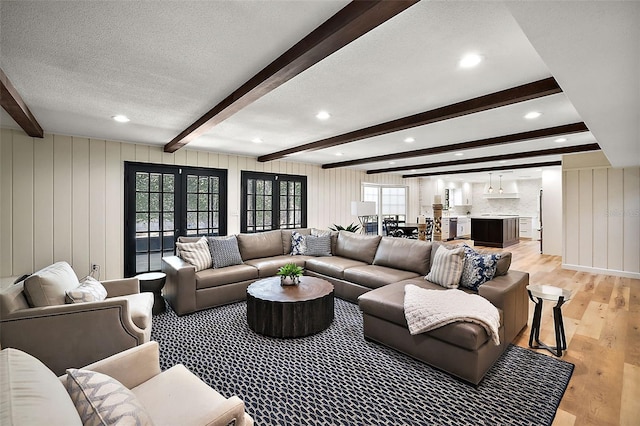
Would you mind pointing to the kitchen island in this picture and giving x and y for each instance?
(495, 231)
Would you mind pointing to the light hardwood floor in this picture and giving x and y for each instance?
(602, 327)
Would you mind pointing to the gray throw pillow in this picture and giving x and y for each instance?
(318, 246)
(447, 267)
(224, 251)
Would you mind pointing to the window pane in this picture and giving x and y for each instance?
(192, 220)
(192, 202)
(268, 187)
(142, 222)
(142, 242)
(203, 220)
(259, 202)
(192, 184)
(142, 181)
(259, 217)
(268, 203)
(154, 202)
(267, 218)
(154, 182)
(298, 204)
(168, 185)
(167, 202)
(251, 186)
(214, 183)
(142, 202)
(154, 221)
(250, 204)
(298, 189)
(203, 202)
(259, 187)
(167, 221)
(283, 202)
(203, 184)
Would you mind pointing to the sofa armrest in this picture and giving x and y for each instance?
(121, 287)
(72, 335)
(180, 287)
(509, 293)
(229, 410)
(131, 367)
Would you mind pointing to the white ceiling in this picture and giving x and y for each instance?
(164, 64)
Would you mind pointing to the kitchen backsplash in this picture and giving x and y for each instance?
(526, 205)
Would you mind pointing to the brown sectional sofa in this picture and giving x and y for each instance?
(371, 271)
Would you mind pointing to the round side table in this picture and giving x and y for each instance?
(538, 293)
(153, 282)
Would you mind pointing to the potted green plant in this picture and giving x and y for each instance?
(290, 274)
(350, 228)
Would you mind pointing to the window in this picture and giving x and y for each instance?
(272, 201)
(164, 202)
(391, 201)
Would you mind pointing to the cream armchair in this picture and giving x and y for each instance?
(33, 395)
(70, 335)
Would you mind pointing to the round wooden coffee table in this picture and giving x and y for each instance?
(289, 311)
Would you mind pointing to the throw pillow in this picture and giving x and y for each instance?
(478, 268)
(197, 254)
(447, 267)
(318, 246)
(298, 245)
(319, 232)
(89, 290)
(102, 400)
(224, 251)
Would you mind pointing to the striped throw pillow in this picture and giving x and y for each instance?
(318, 246)
(197, 254)
(89, 290)
(447, 266)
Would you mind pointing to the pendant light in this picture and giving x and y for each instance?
(500, 190)
(490, 187)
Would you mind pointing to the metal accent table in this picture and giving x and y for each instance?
(290, 311)
(153, 282)
(538, 293)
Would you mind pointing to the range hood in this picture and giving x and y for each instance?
(509, 190)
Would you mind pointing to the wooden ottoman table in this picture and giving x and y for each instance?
(289, 311)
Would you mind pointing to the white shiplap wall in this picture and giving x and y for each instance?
(61, 197)
(601, 219)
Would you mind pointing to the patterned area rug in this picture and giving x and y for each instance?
(337, 378)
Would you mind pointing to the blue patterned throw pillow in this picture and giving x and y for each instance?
(298, 245)
(478, 268)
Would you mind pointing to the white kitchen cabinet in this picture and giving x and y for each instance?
(466, 194)
(526, 227)
(445, 228)
(464, 227)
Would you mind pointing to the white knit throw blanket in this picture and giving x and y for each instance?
(429, 309)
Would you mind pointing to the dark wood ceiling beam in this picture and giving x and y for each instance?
(487, 169)
(525, 92)
(514, 156)
(15, 106)
(565, 129)
(354, 20)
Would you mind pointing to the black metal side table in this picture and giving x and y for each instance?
(153, 282)
(538, 293)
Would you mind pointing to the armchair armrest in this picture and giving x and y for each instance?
(509, 293)
(72, 335)
(180, 287)
(131, 367)
(121, 287)
(229, 410)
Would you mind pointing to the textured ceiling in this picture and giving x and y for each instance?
(164, 64)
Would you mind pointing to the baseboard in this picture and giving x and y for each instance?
(602, 271)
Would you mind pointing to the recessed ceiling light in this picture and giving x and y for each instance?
(339, 154)
(458, 154)
(413, 170)
(502, 161)
(470, 60)
(121, 118)
(560, 140)
(392, 162)
(257, 140)
(409, 139)
(533, 114)
(323, 115)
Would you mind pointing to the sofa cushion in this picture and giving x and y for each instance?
(374, 276)
(357, 246)
(224, 251)
(261, 244)
(387, 303)
(404, 253)
(478, 268)
(447, 267)
(31, 394)
(47, 287)
(298, 245)
(318, 245)
(286, 238)
(196, 254)
(331, 266)
(231, 274)
(503, 263)
(89, 290)
(102, 400)
(267, 267)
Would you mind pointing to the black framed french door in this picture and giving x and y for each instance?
(163, 202)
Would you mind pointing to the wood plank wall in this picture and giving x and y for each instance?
(62, 197)
(602, 220)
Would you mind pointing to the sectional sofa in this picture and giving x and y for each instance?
(372, 271)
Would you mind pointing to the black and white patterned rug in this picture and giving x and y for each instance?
(337, 378)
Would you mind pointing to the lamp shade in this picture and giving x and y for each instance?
(363, 208)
